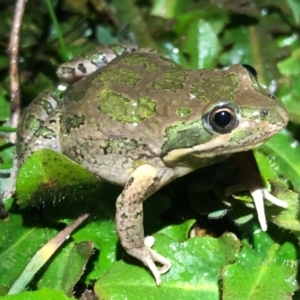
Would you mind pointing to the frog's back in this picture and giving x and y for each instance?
(122, 112)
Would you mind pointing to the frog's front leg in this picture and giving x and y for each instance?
(248, 178)
(143, 182)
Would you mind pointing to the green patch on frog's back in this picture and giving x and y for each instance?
(45, 104)
(125, 110)
(46, 133)
(140, 59)
(123, 146)
(118, 49)
(32, 123)
(183, 111)
(173, 80)
(119, 75)
(215, 89)
(75, 96)
(74, 122)
(185, 135)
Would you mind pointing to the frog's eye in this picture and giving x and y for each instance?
(251, 70)
(223, 119)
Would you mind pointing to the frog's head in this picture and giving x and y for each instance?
(226, 126)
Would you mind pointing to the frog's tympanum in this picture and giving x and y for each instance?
(139, 120)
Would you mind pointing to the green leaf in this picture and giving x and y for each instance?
(286, 162)
(166, 8)
(43, 294)
(6, 156)
(240, 50)
(204, 47)
(7, 129)
(66, 267)
(295, 7)
(266, 272)
(196, 264)
(290, 65)
(47, 171)
(180, 232)
(289, 94)
(287, 218)
(4, 104)
(102, 233)
(21, 236)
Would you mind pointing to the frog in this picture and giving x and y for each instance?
(139, 120)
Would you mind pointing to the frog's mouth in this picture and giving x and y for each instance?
(238, 142)
(222, 150)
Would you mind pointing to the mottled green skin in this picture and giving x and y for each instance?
(142, 121)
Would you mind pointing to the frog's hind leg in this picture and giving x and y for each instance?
(92, 60)
(33, 120)
(143, 182)
(39, 126)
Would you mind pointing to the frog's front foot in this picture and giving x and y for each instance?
(148, 256)
(258, 196)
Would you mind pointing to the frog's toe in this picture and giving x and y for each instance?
(268, 196)
(149, 241)
(148, 256)
(166, 264)
(258, 199)
(155, 257)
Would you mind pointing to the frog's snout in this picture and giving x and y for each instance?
(283, 114)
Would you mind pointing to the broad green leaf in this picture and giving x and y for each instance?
(201, 44)
(264, 271)
(47, 171)
(22, 234)
(195, 271)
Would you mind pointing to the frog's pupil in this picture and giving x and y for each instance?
(222, 118)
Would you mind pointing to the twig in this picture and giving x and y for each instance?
(13, 49)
